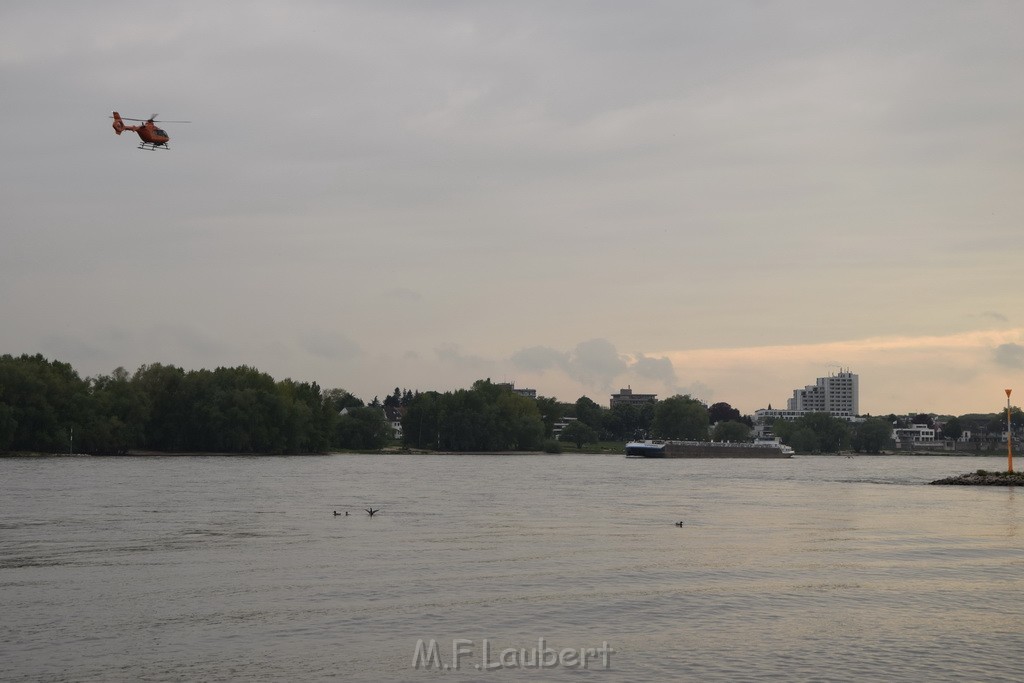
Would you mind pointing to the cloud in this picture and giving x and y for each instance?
(539, 359)
(1009, 356)
(331, 346)
(658, 369)
(595, 363)
(424, 200)
(452, 354)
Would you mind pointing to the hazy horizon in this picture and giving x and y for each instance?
(728, 200)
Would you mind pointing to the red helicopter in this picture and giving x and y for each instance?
(152, 137)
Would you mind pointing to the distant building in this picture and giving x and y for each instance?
(556, 430)
(837, 395)
(394, 419)
(913, 434)
(627, 397)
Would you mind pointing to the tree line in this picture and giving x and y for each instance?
(45, 406)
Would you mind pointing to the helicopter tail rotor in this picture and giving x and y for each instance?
(118, 123)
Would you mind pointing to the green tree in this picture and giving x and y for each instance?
(680, 417)
(362, 428)
(579, 433)
(953, 429)
(339, 399)
(804, 440)
(394, 400)
(163, 388)
(722, 412)
(309, 419)
(833, 433)
(8, 425)
(117, 416)
(551, 411)
(814, 433)
(588, 412)
(731, 430)
(873, 435)
(626, 421)
(519, 425)
(487, 417)
(421, 423)
(44, 400)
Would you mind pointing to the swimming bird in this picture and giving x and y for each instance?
(679, 523)
(336, 513)
(371, 511)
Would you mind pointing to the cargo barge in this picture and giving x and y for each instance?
(653, 448)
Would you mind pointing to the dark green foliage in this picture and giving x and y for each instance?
(873, 435)
(579, 433)
(624, 421)
(923, 419)
(485, 418)
(161, 408)
(680, 417)
(723, 412)
(339, 399)
(552, 446)
(731, 430)
(814, 433)
(43, 401)
(117, 419)
(588, 412)
(551, 411)
(953, 429)
(362, 428)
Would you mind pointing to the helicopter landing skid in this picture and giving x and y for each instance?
(152, 145)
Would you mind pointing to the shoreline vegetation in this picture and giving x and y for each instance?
(603, 448)
(47, 407)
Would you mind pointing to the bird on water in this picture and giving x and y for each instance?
(371, 511)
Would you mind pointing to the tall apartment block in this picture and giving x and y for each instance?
(837, 394)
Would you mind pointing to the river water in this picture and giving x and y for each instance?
(560, 568)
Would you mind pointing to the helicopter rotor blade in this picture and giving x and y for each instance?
(153, 119)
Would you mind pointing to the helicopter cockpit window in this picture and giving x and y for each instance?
(161, 131)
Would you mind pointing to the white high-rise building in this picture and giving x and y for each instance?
(837, 394)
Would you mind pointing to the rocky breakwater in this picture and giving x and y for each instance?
(985, 478)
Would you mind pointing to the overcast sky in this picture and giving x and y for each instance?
(727, 199)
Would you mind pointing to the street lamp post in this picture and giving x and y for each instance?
(1009, 435)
